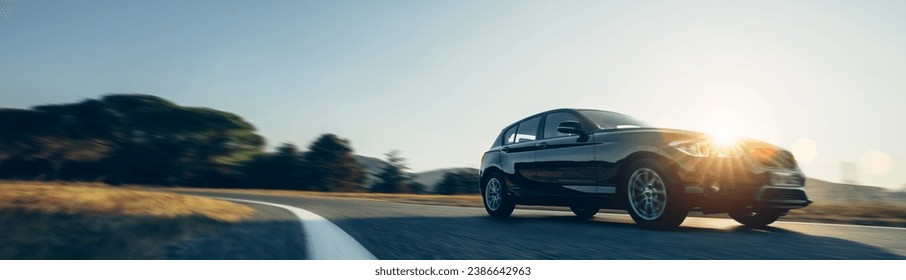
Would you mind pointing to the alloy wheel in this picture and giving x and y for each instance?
(492, 194)
(647, 194)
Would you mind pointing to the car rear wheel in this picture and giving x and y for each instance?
(497, 201)
(756, 218)
(651, 197)
(585, 211)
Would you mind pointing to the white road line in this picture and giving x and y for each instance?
(325, 240)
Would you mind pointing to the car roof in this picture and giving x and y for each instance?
(573, 110)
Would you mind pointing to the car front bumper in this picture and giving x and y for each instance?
(714, 185)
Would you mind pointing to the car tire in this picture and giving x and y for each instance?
(756, 218)
(585, 211)
(651, 196)
(497, 200)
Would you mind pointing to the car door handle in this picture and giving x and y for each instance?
(505, 149)
(542, 145)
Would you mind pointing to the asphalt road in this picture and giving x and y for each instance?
(422, 232)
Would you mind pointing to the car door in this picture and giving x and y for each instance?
(564, 163)
(519, 149)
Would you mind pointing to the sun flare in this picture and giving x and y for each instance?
(724, 133)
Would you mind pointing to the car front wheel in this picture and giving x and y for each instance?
(652, 201)
(497, 201)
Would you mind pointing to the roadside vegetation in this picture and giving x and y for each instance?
(147, 140)
(65, 221)
(140, 139)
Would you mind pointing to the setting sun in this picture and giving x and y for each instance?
(723, 134)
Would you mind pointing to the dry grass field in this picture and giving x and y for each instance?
(81, 221)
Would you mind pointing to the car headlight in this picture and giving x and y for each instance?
(707, 148)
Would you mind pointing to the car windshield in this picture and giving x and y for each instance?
(611, 120)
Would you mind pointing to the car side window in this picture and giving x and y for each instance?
(553, 121)
(528, 130)
(509, 137)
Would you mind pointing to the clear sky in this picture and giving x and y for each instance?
(437, 80)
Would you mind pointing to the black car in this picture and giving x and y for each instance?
(592, 159)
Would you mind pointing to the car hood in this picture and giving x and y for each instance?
(669, 135)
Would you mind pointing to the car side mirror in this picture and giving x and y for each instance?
(571, 127)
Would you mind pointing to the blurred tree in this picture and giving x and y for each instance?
(393, 178)
(416, 187)
(82, 171)
(21, 130)
(136, 138)
(283, 169)
(26, 169)
(458, 182)
(331, 165)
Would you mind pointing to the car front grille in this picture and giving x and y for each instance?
(783, 194)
